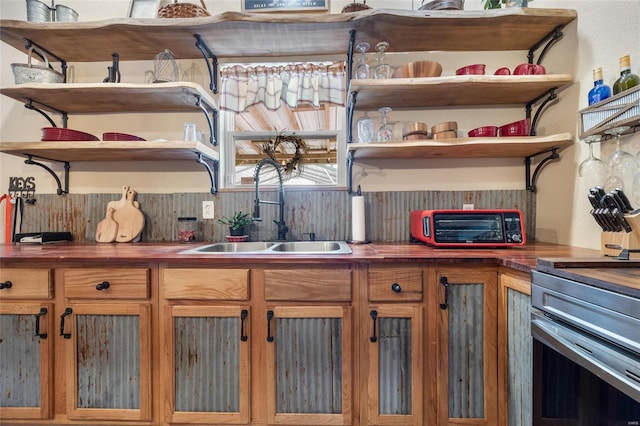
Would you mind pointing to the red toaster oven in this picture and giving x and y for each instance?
(468, 228)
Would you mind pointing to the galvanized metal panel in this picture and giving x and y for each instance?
(108, 351)
(466, 351)
(394, 366)
(326, 213)
(520, 358)
(207, 364)
(308, 365)
(19, 362)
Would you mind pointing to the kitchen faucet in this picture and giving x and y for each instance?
(282, 226)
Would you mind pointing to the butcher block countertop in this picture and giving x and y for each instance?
(518, 258)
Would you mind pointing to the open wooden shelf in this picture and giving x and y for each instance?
(93, 98)
(236, 34)
(459, 90)
(71, 151)
(505, 147)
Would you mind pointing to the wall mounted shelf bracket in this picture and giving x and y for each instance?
(352, 41)
(549, 39)
(65, 116)
(350, 172)
(550, 96)
(211, 113)
(351, 107)
(211, 60)
(63, 64)
(67, 166)
(532, 179)
(213, 172)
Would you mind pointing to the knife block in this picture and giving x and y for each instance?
(612, 243)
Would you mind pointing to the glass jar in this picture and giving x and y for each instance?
(187, 229)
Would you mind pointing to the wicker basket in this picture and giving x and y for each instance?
(183, 10)
(27, 73)
(355, 7)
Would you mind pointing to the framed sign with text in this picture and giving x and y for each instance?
(285, 5)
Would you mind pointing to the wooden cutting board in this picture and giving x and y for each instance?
(122, 201)
(129, 218)
(107, 229)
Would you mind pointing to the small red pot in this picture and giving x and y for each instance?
(529, 69)
(517, 128)
(484, 131)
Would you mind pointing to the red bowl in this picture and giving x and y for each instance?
(517, 128)
(529, 69)
(112, 136)
(484, 131)
(477, 69)
(502, 71)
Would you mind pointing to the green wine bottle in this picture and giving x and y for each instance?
(627, 79)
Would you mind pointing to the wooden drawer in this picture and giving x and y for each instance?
(312, 285)
(206, 284)
(106, 283)
(23, 283)
(395, 284)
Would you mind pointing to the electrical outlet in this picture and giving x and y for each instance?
(467, 207)
(207, 210)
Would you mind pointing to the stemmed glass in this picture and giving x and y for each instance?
(622, 164)
(365, 129)
(385, 132)
(382, 70)
(362, 69)
(593, 168)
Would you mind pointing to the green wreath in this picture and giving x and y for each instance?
(295, 163)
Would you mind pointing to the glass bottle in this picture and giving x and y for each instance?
(365, 129)
(599, 91)
(627, 79)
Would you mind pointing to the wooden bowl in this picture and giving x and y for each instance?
(418, 69)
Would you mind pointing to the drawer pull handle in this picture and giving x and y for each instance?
(42, 312)
(374, 317)
(269, 318)
(6, 284)
(103, 286)
(445, 282)
(243, 333)
(395, 287)
(67, 312)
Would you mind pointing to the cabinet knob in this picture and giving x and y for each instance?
(396, 287)
(103, 286)
(6, 284)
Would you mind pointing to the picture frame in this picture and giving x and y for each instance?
(285, 5)
(144, 9)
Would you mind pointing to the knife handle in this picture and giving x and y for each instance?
(625, 200)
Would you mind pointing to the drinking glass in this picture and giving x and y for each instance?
(621, 163)
(382, 70)
(362, 69)
(593, 168)
(365, 129)
(385, 132)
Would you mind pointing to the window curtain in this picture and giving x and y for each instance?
(291, 84)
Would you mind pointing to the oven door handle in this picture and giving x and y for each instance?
(606, 361)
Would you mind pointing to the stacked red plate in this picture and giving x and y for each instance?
(62, 134)
(112, 136)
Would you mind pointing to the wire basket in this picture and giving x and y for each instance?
(183, 10)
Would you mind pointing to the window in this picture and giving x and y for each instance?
(322, 127)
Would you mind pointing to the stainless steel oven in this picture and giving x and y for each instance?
(586, 354)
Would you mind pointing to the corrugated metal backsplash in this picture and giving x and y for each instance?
(327, 213)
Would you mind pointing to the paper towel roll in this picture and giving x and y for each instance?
(357, 219)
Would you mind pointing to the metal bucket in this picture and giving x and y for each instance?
(38, 11)
(65, 14)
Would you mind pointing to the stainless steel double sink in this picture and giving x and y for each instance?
(273, 247)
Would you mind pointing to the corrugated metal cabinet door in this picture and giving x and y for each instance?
(108, 360)
(209, 354)
(25, 360)
(467, 339)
